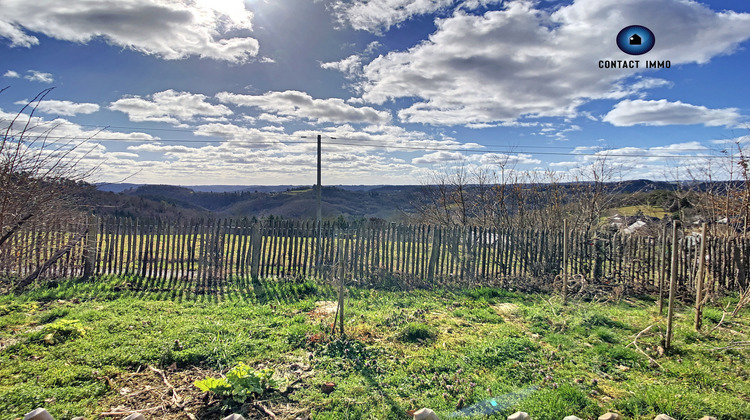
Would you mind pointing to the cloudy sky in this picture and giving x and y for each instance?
(193, 92)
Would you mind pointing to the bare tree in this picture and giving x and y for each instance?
(37, 174)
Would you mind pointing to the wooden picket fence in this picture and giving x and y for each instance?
(212, 251)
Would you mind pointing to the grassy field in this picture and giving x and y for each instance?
(650, 211)
(87, 349)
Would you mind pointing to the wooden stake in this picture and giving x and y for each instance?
(341, 286)
(672, 286)
(565, 263)
(699, 280)
(662, 268)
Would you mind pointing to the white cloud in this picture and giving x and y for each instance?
(63, 130)
(240, 137)
(519, 61)
(662, 112)
(507, 159)
(171, 29)
(377, 15)
(438, 157)
(168, 106)
(300, 105)
(11, 74)
(38, 76)
(66, 108)
(351, 66)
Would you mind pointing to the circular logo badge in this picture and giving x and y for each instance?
(636, 40)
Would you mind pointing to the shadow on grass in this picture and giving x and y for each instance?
(396, 410)
(234, 289)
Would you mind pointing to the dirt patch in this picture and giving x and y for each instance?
(508, 311)
(323, 309)
(170, 394)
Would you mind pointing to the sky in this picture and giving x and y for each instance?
(235, 92)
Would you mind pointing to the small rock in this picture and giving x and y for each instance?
(234, 417)
(425, 414)
(578, 380)
(610, 416)
(328, 387)
(519, 415)
(78, 418)
(623, 368)
(571, 418)
(135, 416)
(663, 417)
(708, 418)
(38, 414)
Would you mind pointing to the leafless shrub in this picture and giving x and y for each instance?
(38, 172)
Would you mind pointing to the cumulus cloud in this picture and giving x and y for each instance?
(61, 128)
(662, 112)
(300, 105)
(351, 66)
(38, 76)
(241, 137)
(438, 157)
(168, 106)
(11, 74)
(378, 15)
(66, 108)
(519, 61)
(171, 29)
(508, 159)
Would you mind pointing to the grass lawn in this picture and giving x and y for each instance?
(92, 348)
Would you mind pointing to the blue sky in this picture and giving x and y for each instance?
(193, 92)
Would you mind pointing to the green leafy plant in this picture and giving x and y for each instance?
(242, 383)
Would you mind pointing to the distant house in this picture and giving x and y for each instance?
(638, 225)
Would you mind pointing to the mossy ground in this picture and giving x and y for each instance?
(490, 349)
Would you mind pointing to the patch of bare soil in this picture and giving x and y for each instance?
(323, 308)
(169, 394)
(509, 311)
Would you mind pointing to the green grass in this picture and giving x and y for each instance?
(650, 211)
(404, 350)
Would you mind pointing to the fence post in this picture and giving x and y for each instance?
(340, 258)
(565, 263)
(433, 256)
(672, 285)
(255, 256)
(89, 250)
(662, 268)
(699, 280)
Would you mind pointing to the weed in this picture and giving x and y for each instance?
(241, 383)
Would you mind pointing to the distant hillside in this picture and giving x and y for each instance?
(118, 188)
(389, 202)
(383, 202)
